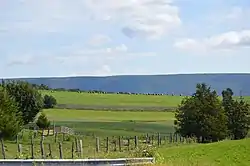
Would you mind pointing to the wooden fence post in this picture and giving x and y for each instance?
(147, 139)
(55, 137)
(3, 149)
(54, 128)
(17, 139)
(115, 148)
(76, 143)
(136, 141)
(128, 143)
(107, 144)
(60, 150)
(158, 139)
(119, 144)
(152, 139)
(19, 148)
(80, 147)
(50, 151)
(72, 150)
(97, 144)
(42, 149)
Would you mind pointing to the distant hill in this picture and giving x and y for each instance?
(176, 84)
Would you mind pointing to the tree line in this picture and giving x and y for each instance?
(20, 103)
(46, 87)
(207, 118)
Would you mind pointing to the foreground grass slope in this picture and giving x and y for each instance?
(223, 153)
(110, 123)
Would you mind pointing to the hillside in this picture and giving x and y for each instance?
(222, 153)
(177, 84)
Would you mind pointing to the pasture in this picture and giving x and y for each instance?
(99, 101)
(84, 98)
(90, 125)
(113, 123)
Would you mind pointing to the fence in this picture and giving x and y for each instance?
(67, 146)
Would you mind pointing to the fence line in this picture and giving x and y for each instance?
(77, 145)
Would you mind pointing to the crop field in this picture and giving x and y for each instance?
(113, 123)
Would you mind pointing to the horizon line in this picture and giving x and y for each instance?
(117, 75)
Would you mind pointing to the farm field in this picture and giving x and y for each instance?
(222, 153)
(113, 123)
(116, 101)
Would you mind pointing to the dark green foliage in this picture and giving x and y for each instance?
(202, 116)
(10, 118)
(49, 101)
(29, 100)
(42, 121)
(238, 113)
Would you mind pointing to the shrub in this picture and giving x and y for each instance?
(49, 102)
(28, 99)
(42, 121)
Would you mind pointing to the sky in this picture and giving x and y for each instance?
(43, 38)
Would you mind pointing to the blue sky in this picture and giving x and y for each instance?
(116, 37)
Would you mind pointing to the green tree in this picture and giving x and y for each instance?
(10, 118)
(201, 116)
(29, 100)
(49, 101)
(238, 113)
(42, 121)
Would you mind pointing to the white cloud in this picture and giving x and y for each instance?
(226, 41)
(99, 39)
(151, 18)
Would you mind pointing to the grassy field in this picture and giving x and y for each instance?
(114, 99)
(90, 124)
(110, 123)
(121, 100)
(225, 153)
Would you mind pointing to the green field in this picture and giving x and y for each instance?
(114, 99)
(225, 153)
(110, 123)
(120, 100)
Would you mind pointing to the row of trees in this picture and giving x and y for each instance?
(45, 87)
(208, 118)
(20, 103)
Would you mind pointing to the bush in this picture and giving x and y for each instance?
(28, 99)
(202, 116)
(42, 121)
(49, 102)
